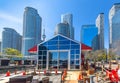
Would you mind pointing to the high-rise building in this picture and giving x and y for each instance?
(95, 43)
(114, 26)
(89, 34)
(100, 26)
(63, 29)
(68, 18)
(11, 39)
(31, 29)
(0, 46)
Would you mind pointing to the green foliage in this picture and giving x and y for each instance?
(12, 52)
(98, 55)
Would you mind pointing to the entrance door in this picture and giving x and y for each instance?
(58, 60)
(63, 60)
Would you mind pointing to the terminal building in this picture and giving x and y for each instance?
(59, 52)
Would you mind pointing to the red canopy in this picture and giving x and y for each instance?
(83, 47)
(33, 49)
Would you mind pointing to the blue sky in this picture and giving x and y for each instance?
(84, 12)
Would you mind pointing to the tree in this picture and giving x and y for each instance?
(12, 52)
(97, 55)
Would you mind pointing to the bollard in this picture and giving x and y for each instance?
(39, 72)
(56, 72)
(24, 73)
(15, 71)
(44, 72)
(80, 77)
(8, 73)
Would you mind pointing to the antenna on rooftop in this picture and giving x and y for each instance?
(43, 36)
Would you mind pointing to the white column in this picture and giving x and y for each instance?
(68, 60)
(47, 60)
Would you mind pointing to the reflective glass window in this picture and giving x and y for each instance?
(55, 47)
(64, 42)
(77, 57)
(72, 62)
(72, 57)
(53, 56)
(44, 62)
(39, 62)
(44, 66)
(75, 46)
(52, 42)
(72, 52)
(44, 48)
(64, 47)
(63, 55)
(40, 52)
(54, 62)
(40, 57)
(74, 43)
(44, 57)
(77, 51)
(77, 62)
(40, 47)
(77, 67)
(44, 52)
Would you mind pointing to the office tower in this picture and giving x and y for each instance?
(11, 39)
(95, 43)
(31, 29)
(68, 18)
(100, 26)
(114, 26)
(63, 29)
(0, 46)
(89, 34)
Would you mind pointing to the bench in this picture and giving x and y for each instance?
(45, 80)
(21, 79)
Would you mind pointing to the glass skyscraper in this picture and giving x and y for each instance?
(114, 26)
(31, 29)
(0, 46)
(68, 18)
(89, 36)
(100, 26)
(11, 39)
(63, 29)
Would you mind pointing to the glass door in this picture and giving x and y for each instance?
(63, 60)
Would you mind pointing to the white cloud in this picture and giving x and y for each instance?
(9, 17)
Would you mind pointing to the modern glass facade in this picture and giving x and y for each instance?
(89, 34)
(95, 43)
(100, 26)
(63, 29)
(0, 46)
(59, 52)
(114, 23)
(11, 39)
(31, 29)
(68, 18)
